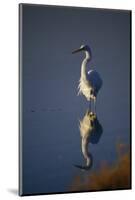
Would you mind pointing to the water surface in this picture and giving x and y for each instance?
(51, 107)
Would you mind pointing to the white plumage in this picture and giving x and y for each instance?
(90, 131)
(86, 128)
(90, 82)
(89, 85)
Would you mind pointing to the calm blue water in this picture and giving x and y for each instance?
(51, 107)
(52, 143)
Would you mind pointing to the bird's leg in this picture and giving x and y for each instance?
(95, 105)
(90, 106)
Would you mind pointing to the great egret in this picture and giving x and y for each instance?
(90, 131)
(90, 82)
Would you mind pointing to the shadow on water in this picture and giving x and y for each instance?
(90, 131)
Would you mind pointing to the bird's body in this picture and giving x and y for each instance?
(90, 85)
(90, 82)
(86, 127)
(90, 131)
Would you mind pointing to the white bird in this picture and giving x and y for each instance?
(90, 131)
(90, 82)
(86, 127)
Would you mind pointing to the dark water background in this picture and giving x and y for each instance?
(51, 107)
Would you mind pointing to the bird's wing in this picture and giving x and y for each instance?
(95, 80)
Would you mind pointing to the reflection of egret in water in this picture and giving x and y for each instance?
(91, 131)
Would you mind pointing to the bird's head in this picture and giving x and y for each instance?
(83, 48)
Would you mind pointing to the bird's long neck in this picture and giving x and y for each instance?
(85, 151)
(84, 65)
